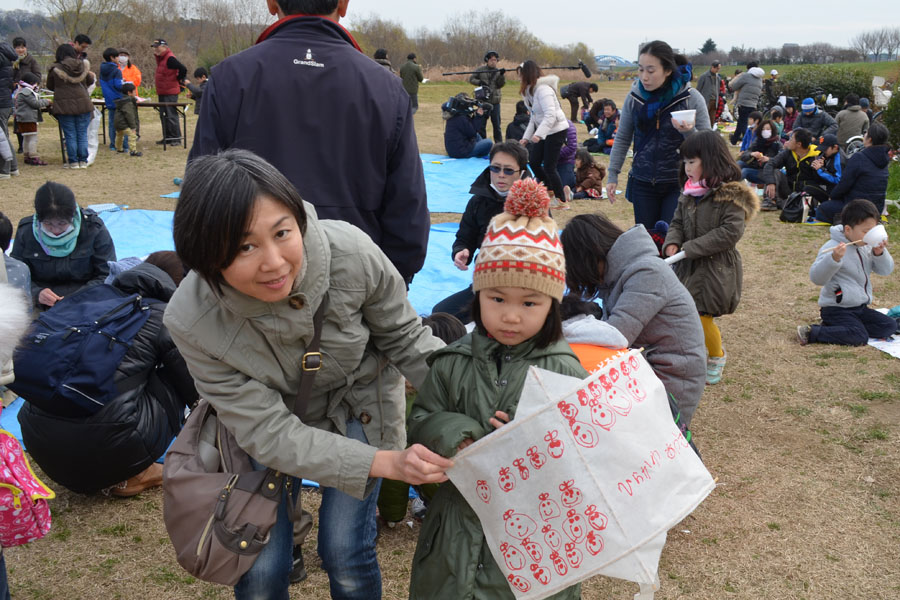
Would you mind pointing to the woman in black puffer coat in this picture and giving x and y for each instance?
(119, 445)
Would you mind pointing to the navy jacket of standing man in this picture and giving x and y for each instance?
(336, 123)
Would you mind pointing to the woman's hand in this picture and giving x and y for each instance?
(770, 191)
(48, 297)
(499, 419)
(415, 465)
(611, 192)
(535, 139)
(461, 260)
(671, 250)
(523, 142)
(681, 125)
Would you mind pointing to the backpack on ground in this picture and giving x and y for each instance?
(792, 211)
(24, 512)
(67, 362)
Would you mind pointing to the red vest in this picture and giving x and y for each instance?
(166, 78)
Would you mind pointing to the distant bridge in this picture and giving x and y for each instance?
(607, 61)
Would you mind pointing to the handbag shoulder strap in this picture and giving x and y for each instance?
(311, 362)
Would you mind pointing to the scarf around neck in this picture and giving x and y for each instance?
(697, 190)
(660, 97)
(61, 246)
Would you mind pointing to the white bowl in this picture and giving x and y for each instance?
(685, 118)
(875, 236)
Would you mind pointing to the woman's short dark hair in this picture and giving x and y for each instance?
(529, 72)
(380, 54)
(64, 51)
(216, 204)
(857, 211)
(662, 51)
(586, 242)
(514, 149)
(549, 333)
(308, 7)
(110, 54)
(716, 161)
(54, 201)
(19, 42)
(878, 133)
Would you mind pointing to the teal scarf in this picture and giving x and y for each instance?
(57, 246)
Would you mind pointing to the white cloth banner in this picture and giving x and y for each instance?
(586, 480)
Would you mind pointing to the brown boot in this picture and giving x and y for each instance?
(148, 478)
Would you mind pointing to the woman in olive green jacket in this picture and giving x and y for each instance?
(262, 263)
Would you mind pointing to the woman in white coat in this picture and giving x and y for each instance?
(546, 132)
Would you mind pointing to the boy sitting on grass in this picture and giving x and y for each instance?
(843, 274)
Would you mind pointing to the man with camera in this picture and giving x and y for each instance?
(465, 117)
(490, 79)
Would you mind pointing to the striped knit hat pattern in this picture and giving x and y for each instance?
(521, 247)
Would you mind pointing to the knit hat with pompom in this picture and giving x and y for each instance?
(521, 247)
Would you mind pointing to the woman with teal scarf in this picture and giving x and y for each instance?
(65, 247)
(662, 88)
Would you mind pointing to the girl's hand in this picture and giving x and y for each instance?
(461, 260)
(671, 250)
(535, 139)
(611, 192)
(838, 253)
(48, 297)
(499, 419)
(415, 465)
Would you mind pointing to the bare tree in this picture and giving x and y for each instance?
(891, 41)
(862, 44)
(93, 18)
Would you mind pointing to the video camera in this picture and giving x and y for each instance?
(461, 104)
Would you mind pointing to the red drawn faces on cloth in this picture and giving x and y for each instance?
(533, 549)
(506, 481)
(584, 434)
(551, 536)
(596, 519)
(537, 459)
(558, 563)
(616, 397)
(555, 446)
(542, 574)
(574, 526)
(519, 582)
(593, 543)
(571, 495)
(514, 559)
(483, 490)
(519, 463)
(631, 384)
(548, 508)
(574, 555)
(518, 525)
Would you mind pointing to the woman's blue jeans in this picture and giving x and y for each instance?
(652, 201)
(346, 546)
(75, 130)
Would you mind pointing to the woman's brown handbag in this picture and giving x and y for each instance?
(217, 508)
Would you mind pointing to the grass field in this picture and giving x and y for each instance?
(804, 441)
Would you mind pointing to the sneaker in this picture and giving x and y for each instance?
(418, 508)
(714, 367)
(567, 193)
(82, 165)
(135, 153)
(67, 165)
(554, 203)
(19, 151)
(4, 176)
(150, 477)
(14, 172)
(803, 334)
(768, 205)
(564, 206)
(161, 142)
(298, 571)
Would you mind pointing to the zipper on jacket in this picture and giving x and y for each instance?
(866, 275)
(80, 393)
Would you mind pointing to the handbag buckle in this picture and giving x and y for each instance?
(311, 361)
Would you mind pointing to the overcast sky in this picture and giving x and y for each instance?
(682, 24)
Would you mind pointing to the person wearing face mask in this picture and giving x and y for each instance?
(766, 144)
(646, 119)
(65, 247)
(130, 72)
(508, 164)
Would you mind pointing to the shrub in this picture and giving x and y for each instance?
(838, 81)
(891, 119)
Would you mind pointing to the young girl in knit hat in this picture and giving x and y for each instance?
(474, 385)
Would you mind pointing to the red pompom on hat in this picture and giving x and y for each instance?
(527, 198)
(521, 247)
